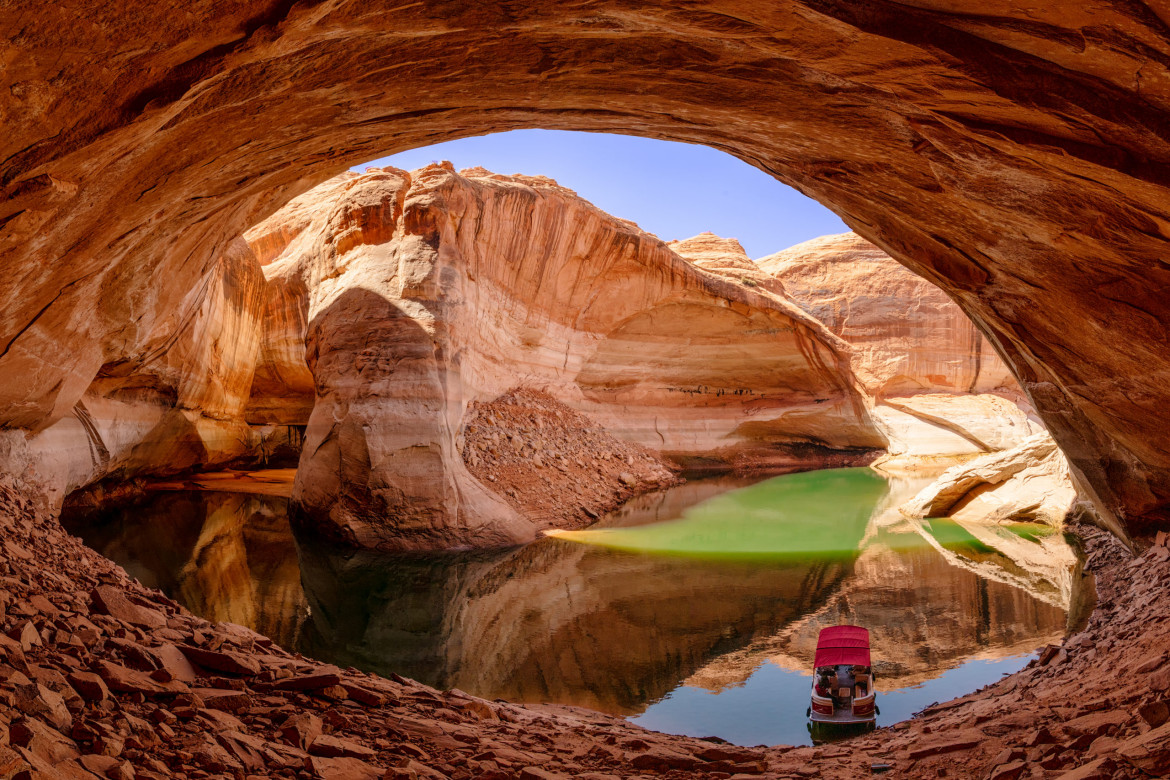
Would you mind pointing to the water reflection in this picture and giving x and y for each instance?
(224, 555)
(644, 615)
(552, 621)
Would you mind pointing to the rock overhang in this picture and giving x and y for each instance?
(1014, 159)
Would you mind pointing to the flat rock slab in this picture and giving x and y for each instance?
(223, 698)
(335, 747)
(947, 744)
(222, 660)
(1150, 752)
(343, 769)
(119, 678)
(111, 601)
(309, 682)
(662, 759)
(1096, 723)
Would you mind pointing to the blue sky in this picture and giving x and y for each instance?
(670, 189)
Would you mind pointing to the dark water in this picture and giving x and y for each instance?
(693, 611)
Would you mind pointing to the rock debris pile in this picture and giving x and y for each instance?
(554, 465)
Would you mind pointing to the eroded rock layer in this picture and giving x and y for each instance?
(1027, 482)
(939, 389)
(416, 294)
(363, 318)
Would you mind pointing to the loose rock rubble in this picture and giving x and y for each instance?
(101, 677)
(556, 466)
(1095, 707)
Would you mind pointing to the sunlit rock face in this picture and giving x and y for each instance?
(419, 293)
(939, 387)
(1015, 158)
(726, 256)
(1028, 482)
(907, 336)
(173, 403)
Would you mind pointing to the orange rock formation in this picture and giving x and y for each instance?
(1012, 156)
(415, 294)
(938, 387)
(371, 312)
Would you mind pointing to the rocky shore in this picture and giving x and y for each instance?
(103, 677)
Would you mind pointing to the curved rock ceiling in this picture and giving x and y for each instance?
(1017, 157)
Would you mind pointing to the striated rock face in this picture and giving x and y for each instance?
(1028, 482)
(939, 387)
(174, 403)
(907, 335)
(364, 318)
(417, 294)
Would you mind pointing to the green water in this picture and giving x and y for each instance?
(817, 514)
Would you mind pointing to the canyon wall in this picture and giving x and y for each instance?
(174, 403)
(415, 294)
(939, 389)
(365, 317)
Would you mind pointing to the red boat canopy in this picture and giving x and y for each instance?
(842, 645)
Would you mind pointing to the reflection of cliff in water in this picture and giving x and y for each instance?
(924, 615)
(934, 595)
(553, 621)
(225, 556)
(598, 627)
(577, 624)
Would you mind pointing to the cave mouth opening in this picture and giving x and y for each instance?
(710, 340)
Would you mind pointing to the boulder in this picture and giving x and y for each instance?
(1149, 752)
(111, 601)
(1029, 482)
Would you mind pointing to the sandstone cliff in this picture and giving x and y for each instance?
(369, 313)
(417, 294)
(174, 403)
(939, 389)
(1013, 157)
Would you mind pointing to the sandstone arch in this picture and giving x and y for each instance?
(1017, 157)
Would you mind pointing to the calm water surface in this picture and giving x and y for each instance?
(693, 611)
